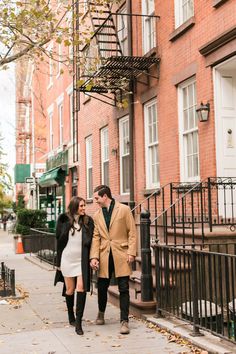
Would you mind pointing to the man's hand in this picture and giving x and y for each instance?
(94, 264)
(130, 259)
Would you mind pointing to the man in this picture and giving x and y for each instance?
(113, 250)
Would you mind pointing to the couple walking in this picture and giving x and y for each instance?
(106, 243)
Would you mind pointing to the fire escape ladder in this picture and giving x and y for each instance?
(105, 31)
(107, 69)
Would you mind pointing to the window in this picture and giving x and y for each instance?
(71, 115)
(60, 113)
(74, 180)
(122, 31)
(50, 68)
(85, 6)
(105, 156)
(89, 167)
(124, 155)
(188, 131)
(183, 11)
(151, 145)
(149, 25)
(51, 131)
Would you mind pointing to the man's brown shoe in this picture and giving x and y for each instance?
(100, 318)
(124, 329)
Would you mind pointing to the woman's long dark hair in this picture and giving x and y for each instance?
(72, 211)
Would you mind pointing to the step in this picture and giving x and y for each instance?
(135, 282)
(137, 307)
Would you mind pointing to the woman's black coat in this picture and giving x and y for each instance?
(62, 236)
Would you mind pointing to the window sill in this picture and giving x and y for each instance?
(151, 53)
(218, 3)
(86, 99)
(148, 192)
(182, 29)
(89, 201)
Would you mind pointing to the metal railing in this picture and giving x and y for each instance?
(194, 209)
(7, 281)
(197, 284)
(43, 243)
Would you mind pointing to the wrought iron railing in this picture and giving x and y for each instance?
(7, 281)
(43, 243)
(195, 209)
(198, 285)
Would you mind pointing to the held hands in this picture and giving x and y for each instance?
(130, 259)
(94, 264)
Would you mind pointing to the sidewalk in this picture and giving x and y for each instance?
(37, 324)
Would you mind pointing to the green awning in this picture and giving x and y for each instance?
(54, 177)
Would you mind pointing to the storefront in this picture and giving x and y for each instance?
(53, 181)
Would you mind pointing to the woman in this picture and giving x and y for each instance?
(74, 232)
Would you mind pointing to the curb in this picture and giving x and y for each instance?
(208, 342)
(43, 265)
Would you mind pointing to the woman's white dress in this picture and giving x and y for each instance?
(72, 254)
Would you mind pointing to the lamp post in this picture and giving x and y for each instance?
(203, 111)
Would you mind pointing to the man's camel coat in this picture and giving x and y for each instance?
(121, 239)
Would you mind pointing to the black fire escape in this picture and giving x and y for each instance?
(102, 68)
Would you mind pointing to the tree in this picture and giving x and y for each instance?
(27, 27)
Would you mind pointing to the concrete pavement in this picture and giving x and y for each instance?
(37, 323)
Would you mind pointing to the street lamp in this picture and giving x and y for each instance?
(203, 111)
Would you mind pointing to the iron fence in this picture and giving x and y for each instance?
(190, 211)
(7, 281)
(43, 243)
(197, 283)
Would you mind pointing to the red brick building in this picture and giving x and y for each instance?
(182, 54)
(30, 134)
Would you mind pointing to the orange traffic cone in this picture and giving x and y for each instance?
(19, 248)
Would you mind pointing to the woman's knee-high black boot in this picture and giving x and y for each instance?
(70, 309)
(80, 304)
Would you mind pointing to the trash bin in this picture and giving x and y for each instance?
(208, 317)
(232, 311)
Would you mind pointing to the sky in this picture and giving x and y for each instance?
(7, 116)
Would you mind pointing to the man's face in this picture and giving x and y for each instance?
(101, 201)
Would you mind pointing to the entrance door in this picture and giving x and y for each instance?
(225, 123)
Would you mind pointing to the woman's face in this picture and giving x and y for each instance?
(81, 209)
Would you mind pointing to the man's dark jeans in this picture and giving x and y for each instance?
(123, 286)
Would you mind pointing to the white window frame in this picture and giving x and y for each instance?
(61, 123)
(185, 133)
(89, 166)
(69, 92)
(59, 64)
(51, 133)
(122, 141)
(184, 9)
(50, 68)
(71, 115)
(122, 30)
(151, 144)
(149, 25)
(60, 110)
(104, 154)
(85, 9)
